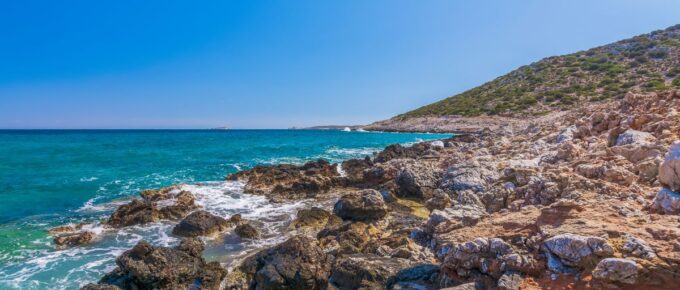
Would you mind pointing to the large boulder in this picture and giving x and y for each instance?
(298, 263)
(354, 169)
(148, 267)
(365, 271)
(200, 223)
(469, 175)
(418, 181)
(617, 270)
(487, 256)
(575, 251)
(666, 202)
(631, 136)
(247, 231)
(363, 205)
(669, 172)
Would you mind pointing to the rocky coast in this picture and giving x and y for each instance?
(581, 199)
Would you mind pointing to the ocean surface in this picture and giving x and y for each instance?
(50, 178)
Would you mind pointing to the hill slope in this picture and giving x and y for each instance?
(642, 63)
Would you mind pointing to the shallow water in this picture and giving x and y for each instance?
(49, 178)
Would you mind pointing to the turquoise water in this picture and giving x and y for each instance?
(50, 178)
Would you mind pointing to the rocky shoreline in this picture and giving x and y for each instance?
(582, 199)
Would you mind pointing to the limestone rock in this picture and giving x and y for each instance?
(442, 221)
(148, 267)
(631, 136)
(200, 223)
(637, 247)
(247, 231)
(666, 202)
(74, 239)
(361, 271)
(418, 181)
(134, 213)
(669, 172)
(617, 270)
(577, 251)
(298, 263)
(364, 205)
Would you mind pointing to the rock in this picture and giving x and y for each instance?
(469, 175)
(315, 218)
(444, 221)
(91, 286)
(159, 194)
(576, 251)
(247, 231)
(184, 204)
(440, 200)
(361, 271)
(298, 263)
(467, 286)
(418, 181)
(364, 205)
(637, 247)
(617, 270)
(482, 255)
(74, 239)
(567, 134)
(666, 202)
(437, 144)
(422, 276)
(148, 267)
(396, 151)
(510, 281)
(134, 213)
(631, 136)
(65, 229)
(200, 223)
(285, 182)
(354, 168)
(349, 238)
(669, 172)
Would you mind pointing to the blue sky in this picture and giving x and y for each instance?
(276, 64)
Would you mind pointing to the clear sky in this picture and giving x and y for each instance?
(276, 64)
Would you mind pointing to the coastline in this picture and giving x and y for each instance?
(551, 202)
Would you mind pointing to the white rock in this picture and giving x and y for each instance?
(577, 251)
(669, 172)
(634, 137)
(666, 202)
(617, 270)
(437, 144)
(566, 134)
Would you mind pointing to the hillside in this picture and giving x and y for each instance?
(643, 63)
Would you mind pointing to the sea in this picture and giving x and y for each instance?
(56, 177)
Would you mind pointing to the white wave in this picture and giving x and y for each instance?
(88, 179)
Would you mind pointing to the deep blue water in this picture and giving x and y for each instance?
(49, 177)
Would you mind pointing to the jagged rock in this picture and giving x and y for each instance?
(65, 229)
(148, 267)
(184, 204)
(354, 168)
(159, 194)
(575, 251)
(348, 238)
(481, 254)
(440, 200)
(637, 247)
(617, 270)
(510, 281)
(467, 286)
(631, 136)
(364, 205)
(315, 219)
(397, 151)
(418, 181)
(362, 271)
(567, 134)
(298, 263)
(666, 202)
(200, 223)
(443, 221)
(669, 172)
(134, 213)
(74, 239)
(469, 175)
(247, 231)
(286, 181)
(422, 276)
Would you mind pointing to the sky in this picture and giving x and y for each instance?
(278, 64)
